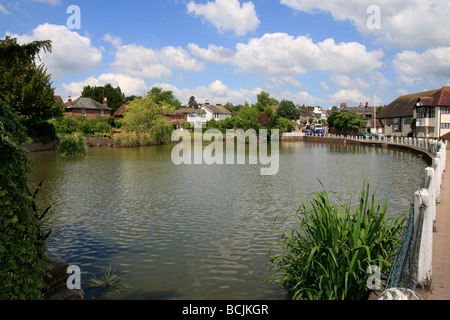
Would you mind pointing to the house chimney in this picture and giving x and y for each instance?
(218, 103)
(69, 101)
(367, 104)
(207, 102)
(105, 102)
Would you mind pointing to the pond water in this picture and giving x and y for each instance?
(198, 231)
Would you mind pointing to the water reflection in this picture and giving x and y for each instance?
(198, 231)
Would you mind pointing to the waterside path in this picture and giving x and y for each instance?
(440, 283)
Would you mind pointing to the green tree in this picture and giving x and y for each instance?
(164, 98)
(347, 121)
(24, 85)
(288, 110)
(284, 125)
(192, 102)
(248, 118)
(264, 100)
(98, 93)
(380, 108)
(144, 115)
(22, 246)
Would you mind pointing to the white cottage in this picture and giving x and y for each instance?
(205, 112)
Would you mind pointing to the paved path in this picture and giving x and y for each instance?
(440, 274)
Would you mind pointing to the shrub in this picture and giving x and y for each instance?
(65, 124)
(161, 131)
(39, 129)
(22, 249)
(328, 255)
(72, 144)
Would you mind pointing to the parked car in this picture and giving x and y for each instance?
(366, 135)
(318, 129)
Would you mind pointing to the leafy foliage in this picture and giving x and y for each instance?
(114, 95)
(288, 110)
(164, 98)
(345, 121)
(145, 115)
(89, 127)
(71, 145)
(326, 257)
(110, 281)
(22, 247)
(264, 100)
(24, 85)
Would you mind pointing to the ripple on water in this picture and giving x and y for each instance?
(198, 232)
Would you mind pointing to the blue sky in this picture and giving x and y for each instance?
(310, 52)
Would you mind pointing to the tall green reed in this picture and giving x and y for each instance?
(327, 254)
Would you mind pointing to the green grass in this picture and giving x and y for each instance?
(326, 256)
(110, 281)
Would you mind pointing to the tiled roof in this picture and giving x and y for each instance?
(87, 103)
(218, 109)
(403, 106)
(442, 98)
(120, 111)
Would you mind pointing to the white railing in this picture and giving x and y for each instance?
(424, 200)
(429, 145)
(424, 213)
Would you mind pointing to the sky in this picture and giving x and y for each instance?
(312, 52)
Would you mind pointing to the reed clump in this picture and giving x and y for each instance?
(133, 139)
(327, 254)
(71, 144)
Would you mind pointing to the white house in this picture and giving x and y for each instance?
(198, 117)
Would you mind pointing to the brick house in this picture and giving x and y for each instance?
(432, 113)
(396, 117)
(119, 112)
(179, 117)
(87, 107)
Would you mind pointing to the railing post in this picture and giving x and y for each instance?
(434, 188)
(423, 206)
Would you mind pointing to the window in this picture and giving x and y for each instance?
(397, 125)
(445, 110)
(101, 113)
(425, 112)
(83, 112)
(445, 125)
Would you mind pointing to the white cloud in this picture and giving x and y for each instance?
(349, 96)
(412, 66)
(282, 54)
(216, 91)
(138, 61)
(4, 10)
(324, 85)
(227, 15)
(347, 82)
(405, 24)
(212, 54)
(301, 97)
(128, 85)
(115, 41)
(71, 52)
